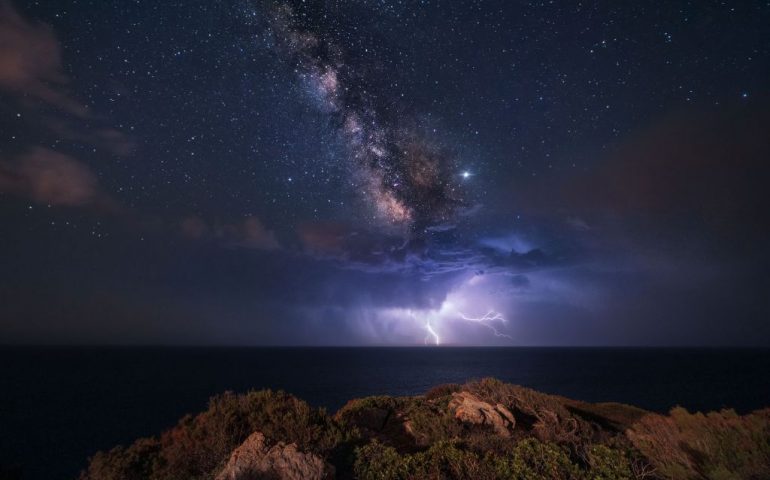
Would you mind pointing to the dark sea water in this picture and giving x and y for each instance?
(60, 405)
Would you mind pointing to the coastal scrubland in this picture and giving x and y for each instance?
(483, 429)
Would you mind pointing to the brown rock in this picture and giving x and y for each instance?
(254, 460)
(469, 408)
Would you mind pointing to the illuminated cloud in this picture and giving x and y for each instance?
(463, 317)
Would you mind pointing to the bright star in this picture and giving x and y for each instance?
(466, 174)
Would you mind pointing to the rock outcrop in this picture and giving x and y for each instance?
(469, 408)
(255, 460)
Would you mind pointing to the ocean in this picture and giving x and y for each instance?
(58, 406)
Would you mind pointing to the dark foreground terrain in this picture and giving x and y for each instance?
(480, 430)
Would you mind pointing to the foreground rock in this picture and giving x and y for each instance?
(254, 460)
(469, 408)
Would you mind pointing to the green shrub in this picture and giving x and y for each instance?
(445, 460)
(607, 463)
(376, 461)
(442, 461)
(535, 460)
(368, 413)
(718, 445)
(431, 423)
(443, 390)
(383, 402)
(530, 460)
(137, 462)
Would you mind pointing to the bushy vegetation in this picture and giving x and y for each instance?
(419, 438)
(198, 446)
(717, 446)
(530, 459)
(443, 460)
(605, 463)
(137, 462)
(443, 390)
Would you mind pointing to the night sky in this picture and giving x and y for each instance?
(378, 172)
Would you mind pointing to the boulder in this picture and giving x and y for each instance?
(254, 460)
(469, 408)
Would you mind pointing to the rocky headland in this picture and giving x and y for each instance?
(480, 430)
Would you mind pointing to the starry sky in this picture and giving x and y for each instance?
(376, 172)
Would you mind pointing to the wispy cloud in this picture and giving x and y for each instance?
(49, 177)
(31, 62)
(248, 233)
(32, 76)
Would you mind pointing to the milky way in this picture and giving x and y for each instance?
(410, 181)
(384, 172)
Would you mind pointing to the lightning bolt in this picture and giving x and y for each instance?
(490, 316)
(431, 333)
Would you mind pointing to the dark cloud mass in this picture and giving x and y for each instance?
(318, 172)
